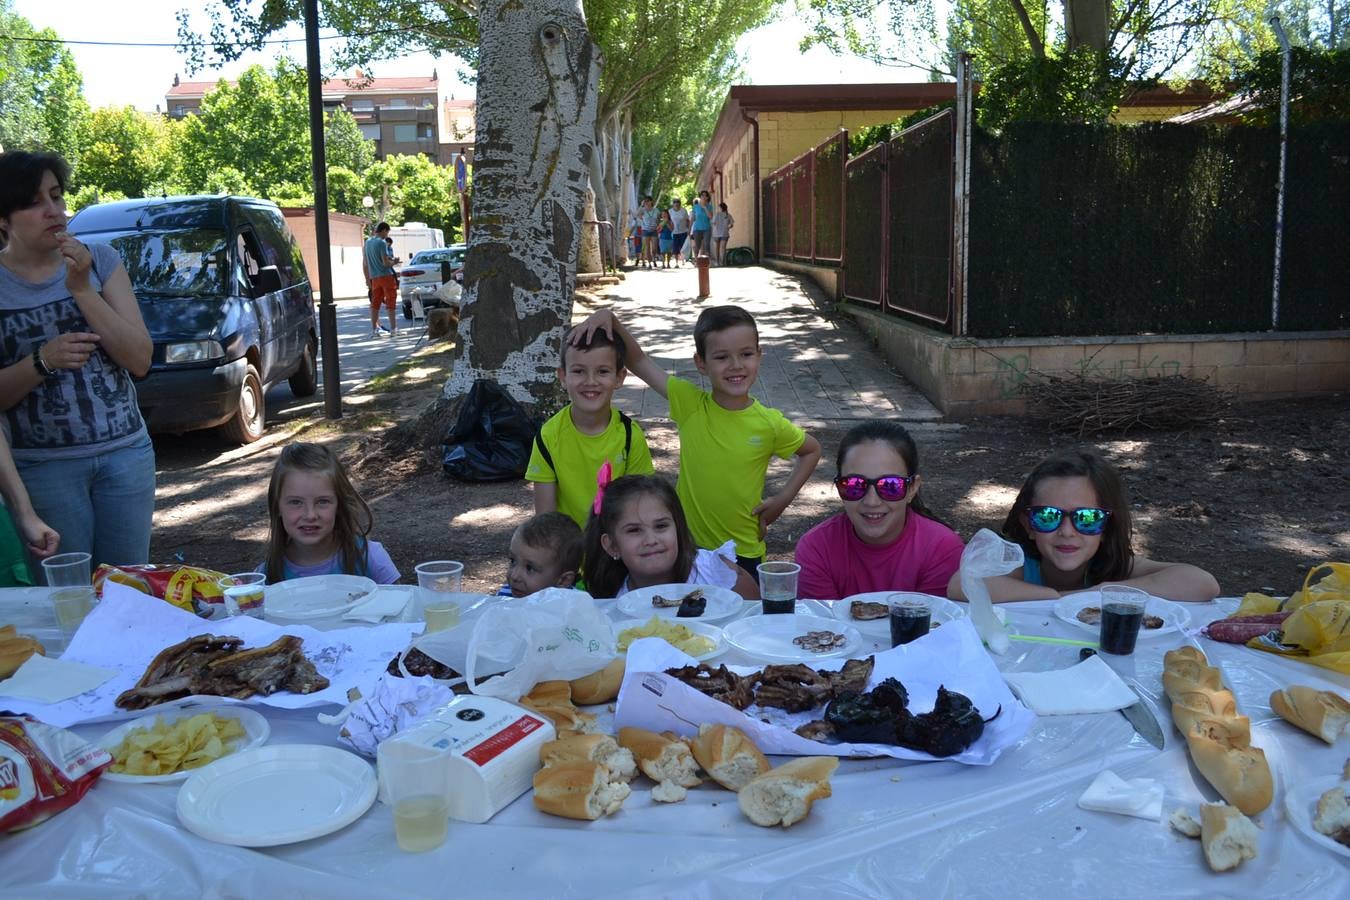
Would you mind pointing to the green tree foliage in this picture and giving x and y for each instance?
(418, 190)
(42, 106)
(1319, 85)
(258, 130)
(128, 153)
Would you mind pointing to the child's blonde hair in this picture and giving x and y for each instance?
(351, 524)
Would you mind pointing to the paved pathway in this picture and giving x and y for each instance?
(816, 368)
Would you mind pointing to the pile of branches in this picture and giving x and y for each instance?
(1085, 405)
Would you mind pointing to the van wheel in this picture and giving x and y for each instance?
(304, 381)
(248, 422)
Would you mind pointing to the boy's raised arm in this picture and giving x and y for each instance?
(639, 363)
(803, 464)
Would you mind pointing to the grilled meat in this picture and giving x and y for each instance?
(720, 683)
(216, 666)
(864, 609)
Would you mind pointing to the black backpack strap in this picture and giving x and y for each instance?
(543, 451)
(627, 437)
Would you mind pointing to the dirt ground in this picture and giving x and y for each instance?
(1257, 499)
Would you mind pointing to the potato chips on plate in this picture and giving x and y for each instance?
(168, 745)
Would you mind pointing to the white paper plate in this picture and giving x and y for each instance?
(769, 638)
(943, 609)
(256, 731)
(707, 630)
(318, 597)
(1301, 804)
(277, 795)
(722, 602)
(1174, 615)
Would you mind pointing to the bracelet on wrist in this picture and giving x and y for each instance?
(40, 364)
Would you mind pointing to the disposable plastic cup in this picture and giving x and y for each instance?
(778, 587)
(243, 593)
(416, 782)
(911, 617)
(436, 581)
(67, 569)
(1122, 614)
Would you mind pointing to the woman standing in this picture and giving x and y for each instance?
(71, 339)
(722, 223)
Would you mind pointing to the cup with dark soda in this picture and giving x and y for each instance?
(1122, 614)
(778, 587)
(911, 617)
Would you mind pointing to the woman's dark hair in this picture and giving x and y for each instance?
(21, 177)
(350, 526)
(604, 574)
(1115, 557)
(895, 435)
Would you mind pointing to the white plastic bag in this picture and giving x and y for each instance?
(985, 556)
(556, 634)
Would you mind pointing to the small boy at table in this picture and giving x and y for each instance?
(545, 552)
(588, 442)
(727, 437)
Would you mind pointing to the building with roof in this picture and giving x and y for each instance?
(405, 115)
(762, 127)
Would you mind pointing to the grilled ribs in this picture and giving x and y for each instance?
(212, 665)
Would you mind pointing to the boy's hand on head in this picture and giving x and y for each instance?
(600, 320)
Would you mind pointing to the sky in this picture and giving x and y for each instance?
(140, 76)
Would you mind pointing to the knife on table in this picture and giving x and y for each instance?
(1139, 714)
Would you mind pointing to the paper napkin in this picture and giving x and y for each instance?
(1141, 797)
(1089, 687)
(382, 603)
(47, 680)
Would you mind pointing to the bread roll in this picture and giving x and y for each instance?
(729, 757)
(601, 686)
(1240, 774)
(1195, 654)
(1187, 676)
(1227, 835)
(16, 649)
(578, 790)
(599, 748)
(1237, 729)
(661, 757)
(553, 699)
(1333, 815)
(549, 693)
(1321, 713)
(1183, 822)
(785, 795)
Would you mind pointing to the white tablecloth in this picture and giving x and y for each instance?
(891, 829)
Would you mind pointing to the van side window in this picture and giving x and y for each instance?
(277, 248)
(248, 262)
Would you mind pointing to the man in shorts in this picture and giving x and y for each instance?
(378, 265)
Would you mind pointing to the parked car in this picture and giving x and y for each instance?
(227, 301)
(426, 272)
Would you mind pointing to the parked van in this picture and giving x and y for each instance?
(227, 301)
(413, 236)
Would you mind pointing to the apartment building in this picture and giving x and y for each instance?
(407, 115)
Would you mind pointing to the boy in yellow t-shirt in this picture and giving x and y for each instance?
(574, 444)
(727, 437)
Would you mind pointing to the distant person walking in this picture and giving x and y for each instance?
(650, 224)
(702, 223)
(722, 223)
(679, 228)
(663, 239)
(377, 264)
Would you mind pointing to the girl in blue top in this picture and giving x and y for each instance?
(702, 212)
(318, 522)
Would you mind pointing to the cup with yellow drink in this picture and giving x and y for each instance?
(437, 582)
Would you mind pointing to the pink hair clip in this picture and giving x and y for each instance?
(602, 480)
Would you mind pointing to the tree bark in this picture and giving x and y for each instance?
(538, 78)
(1085, 23)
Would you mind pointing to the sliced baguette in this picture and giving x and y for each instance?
(599, 687)
(784, 795)
(578, 790)
(599, 748)
(1241, 775)
(1321, 713)
(728, 756)
(1227, 836)
(661, 757)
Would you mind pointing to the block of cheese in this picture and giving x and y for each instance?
(492, 749)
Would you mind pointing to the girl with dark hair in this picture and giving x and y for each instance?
(886, 539)
(317, 522)
(71, 341)
(1072, 520)
(640, 538)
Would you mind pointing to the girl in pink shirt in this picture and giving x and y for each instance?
(885, 539)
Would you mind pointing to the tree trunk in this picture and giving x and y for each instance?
(589, 258)
(627, 200)
(538, 78)
(1085, 23)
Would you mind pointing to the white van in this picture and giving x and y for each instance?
(413, 236)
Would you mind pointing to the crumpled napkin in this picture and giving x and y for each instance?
(1089, 687)
(382, 603)
(1141, 797)
(46, 680)
(393, 705)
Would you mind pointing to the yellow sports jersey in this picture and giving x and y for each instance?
(724, 455)
(578, 457)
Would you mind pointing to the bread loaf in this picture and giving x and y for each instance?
(1321, 713)
(553, 699)
(578, 790)
(601, 686)
(599, 748)
(785, 795)
(661, 757)
(1227, 836)
(16, 649)
(1218, 738)
(728, 756)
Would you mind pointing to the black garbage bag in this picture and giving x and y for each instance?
(491, 438)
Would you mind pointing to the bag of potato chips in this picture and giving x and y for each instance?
(189, 588)
(1318, 631)
(43, 770)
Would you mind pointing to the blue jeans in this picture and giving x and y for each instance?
(102, 505)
